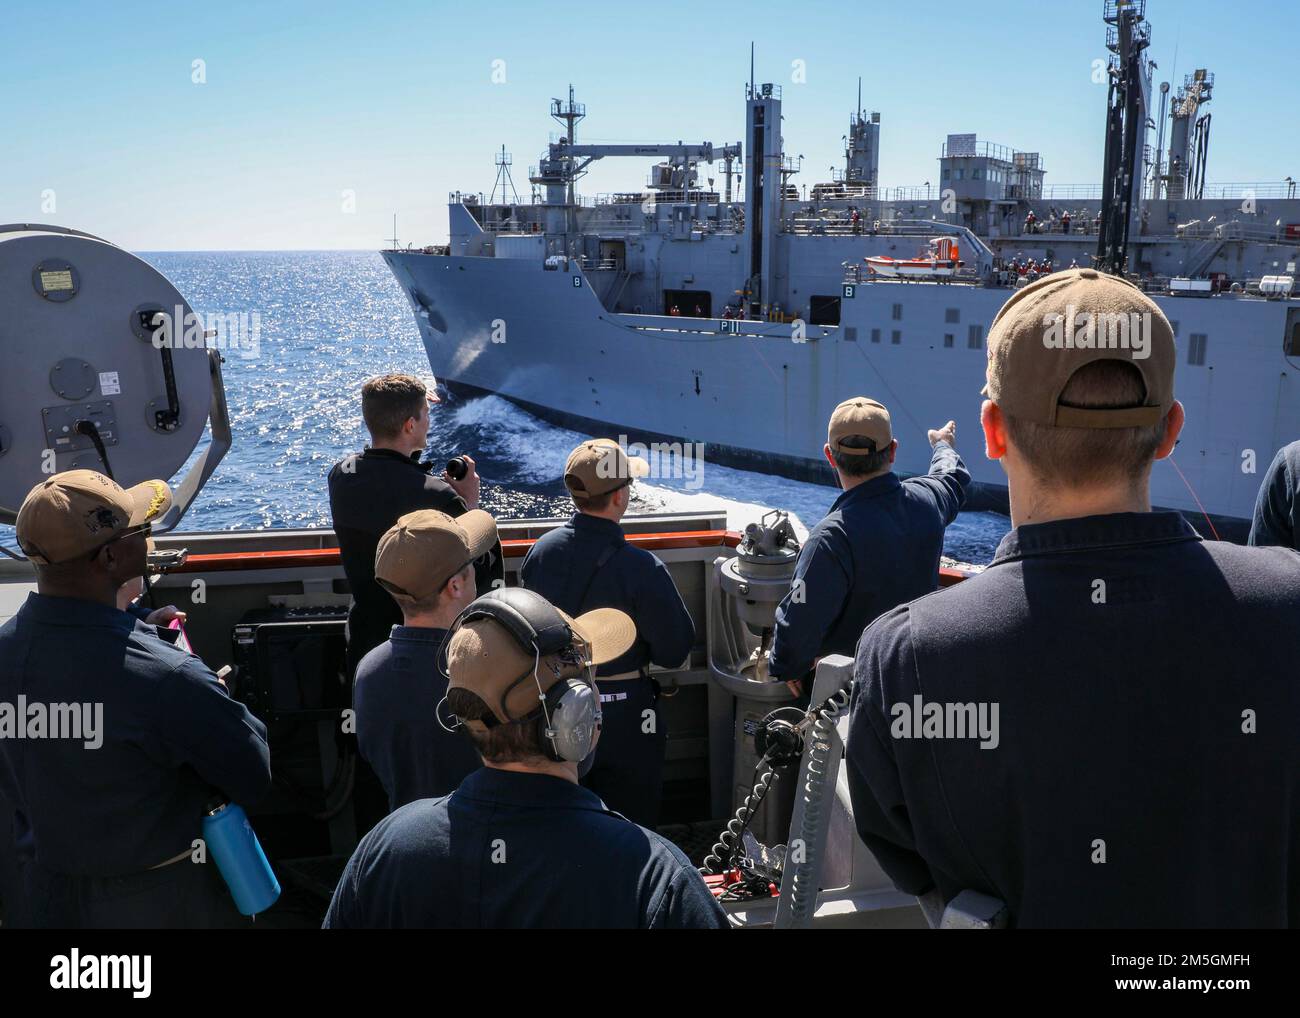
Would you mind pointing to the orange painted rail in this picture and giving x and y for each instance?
(316, 558)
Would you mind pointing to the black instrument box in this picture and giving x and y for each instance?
(292, 663)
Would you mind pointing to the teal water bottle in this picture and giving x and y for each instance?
(239, 856)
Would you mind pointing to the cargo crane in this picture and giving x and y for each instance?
(1126, 117)
(566, 161)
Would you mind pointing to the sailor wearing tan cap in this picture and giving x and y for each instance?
(520, 843)
(369, 492)
(108, 819)
(876, 548)
(587, 564)
(426, 562)
(1086, 729)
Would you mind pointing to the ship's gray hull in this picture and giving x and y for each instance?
(761, 400)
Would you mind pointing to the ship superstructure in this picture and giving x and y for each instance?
(740, 316)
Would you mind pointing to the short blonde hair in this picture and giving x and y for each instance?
(1079, 457)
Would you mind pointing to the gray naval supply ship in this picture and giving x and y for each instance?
(739, 319)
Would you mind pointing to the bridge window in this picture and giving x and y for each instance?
(898, 312)
(951, 315)
(947, 339)
(875, 335)
(896, 337)
(1196, 349)
(851, 333)
(975, 337)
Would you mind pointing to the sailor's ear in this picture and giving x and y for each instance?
(1173, 428)
(995, 430)
(893, 450)
(826, 451)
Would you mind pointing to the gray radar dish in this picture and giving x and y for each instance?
(99, 372)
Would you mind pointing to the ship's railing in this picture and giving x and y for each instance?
(1257, 189)
(514, 226)
(1260, 189)
(835, 191)
(833, 227)
(979, 150)
(859, 187)
(823, 226)
(598, 264)
(1235, 229)
(482, 199)
(897, 194)
(1072, 192)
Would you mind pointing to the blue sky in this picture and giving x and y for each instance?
(394, 101)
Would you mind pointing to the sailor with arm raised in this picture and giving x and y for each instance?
(877, 548)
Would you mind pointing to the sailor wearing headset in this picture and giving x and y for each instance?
(520, 843)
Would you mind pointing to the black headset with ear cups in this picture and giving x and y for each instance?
(569, 712)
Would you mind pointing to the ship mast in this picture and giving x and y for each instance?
(504, 180)
(1126, 119)
(568, 114)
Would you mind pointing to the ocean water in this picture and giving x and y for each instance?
(328, 321)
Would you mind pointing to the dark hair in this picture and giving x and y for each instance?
(502, 743)
(860, 464)
(596, 503)
(389, 401)
(1078, 457)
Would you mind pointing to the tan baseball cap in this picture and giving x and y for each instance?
(425, 549)
(1050, 329)
(76, 512)
(859, 417)
(599, 466)
(487, 660)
